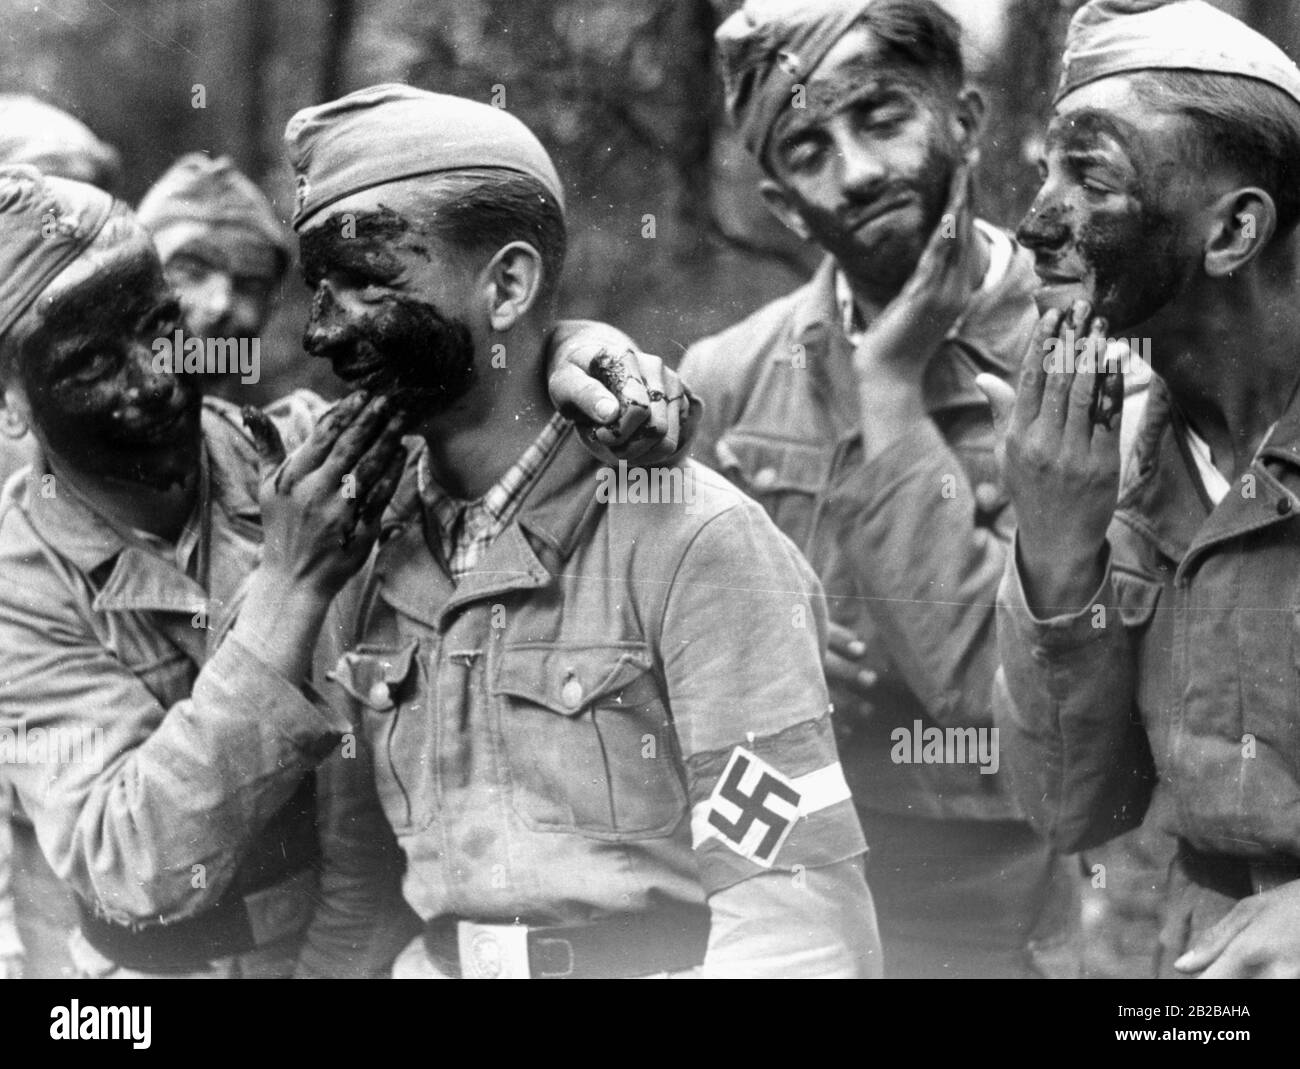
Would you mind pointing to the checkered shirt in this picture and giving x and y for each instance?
(466, 529)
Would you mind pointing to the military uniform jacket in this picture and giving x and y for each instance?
(582, 726)
(1182, 669)
(909, 557)
(148, 748)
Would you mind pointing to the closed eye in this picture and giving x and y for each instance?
(803, 153)
(87, 365)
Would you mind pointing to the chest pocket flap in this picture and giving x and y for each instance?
(567, 679)
(1138, 597)
(376, 675)
(606, 767)
(773, 464)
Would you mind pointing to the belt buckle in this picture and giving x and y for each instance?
(543, 945)
(493, 951)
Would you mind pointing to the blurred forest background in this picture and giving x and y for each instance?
(623, 92)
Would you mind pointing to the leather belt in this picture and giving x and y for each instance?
(1237, 877)
(623, 945)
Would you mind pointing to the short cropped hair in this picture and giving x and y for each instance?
(919, 34)
(482, 209)
(1244, 125)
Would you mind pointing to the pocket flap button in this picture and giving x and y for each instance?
(571, 692)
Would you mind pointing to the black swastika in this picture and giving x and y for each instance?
(752, 807)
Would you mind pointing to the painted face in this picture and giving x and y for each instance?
(867, 163)
(372, 276)
(86, 368)
(1110, 223)
(225, 277)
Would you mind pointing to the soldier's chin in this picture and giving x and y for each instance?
(886, 263)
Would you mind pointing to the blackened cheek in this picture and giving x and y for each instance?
(95, 403)
(1107, 245)
(824, 224)
(1131, 258)
(77, 420)
(934, 176)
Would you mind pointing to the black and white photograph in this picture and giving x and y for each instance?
(675, 489)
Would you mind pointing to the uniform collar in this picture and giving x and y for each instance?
(492, 510)
(1162, 501)
(140, 579)
(1165, 502)
(558, 507)
(1284, 443)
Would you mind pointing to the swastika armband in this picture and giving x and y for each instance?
(780, 802)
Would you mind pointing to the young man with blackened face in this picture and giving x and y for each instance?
(157, 620)
(865, 166)
(600, 736)
(1149, 647)
(81, 382)
(160, 598)
(40, 135)
(390, 323)
(849, 410)
(45, 137)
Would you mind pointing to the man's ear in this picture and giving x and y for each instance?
(780, 204)
(969, 117)
(1241, 223)
(514, 279)
(14, 411)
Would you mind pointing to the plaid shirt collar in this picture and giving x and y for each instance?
(466, 529)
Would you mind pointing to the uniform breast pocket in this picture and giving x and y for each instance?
(153, 646)
(1137, 599)
(587, 740)
(783, 476)
(168, 676)
(382, 680)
